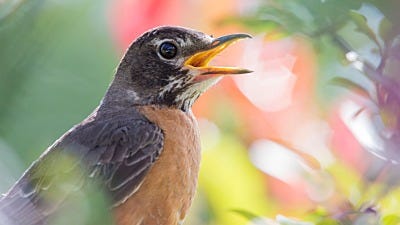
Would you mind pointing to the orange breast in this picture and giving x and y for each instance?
(168, 189)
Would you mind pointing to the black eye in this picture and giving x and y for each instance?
(168, 50)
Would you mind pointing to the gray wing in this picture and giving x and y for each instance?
(117, 153)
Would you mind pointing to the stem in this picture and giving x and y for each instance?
(368, 69)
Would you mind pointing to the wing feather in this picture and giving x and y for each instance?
(116, 152)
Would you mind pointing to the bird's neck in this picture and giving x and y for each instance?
(119, 97)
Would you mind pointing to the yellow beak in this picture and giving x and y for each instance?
(199, 61)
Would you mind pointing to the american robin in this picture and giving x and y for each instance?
(141, 143)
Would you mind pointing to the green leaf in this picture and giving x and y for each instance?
(385, 30)
(254, 23)
(362, 26)
(351, 85)
(246, 214)
(328, 221)
(289, 21)
(391, 220)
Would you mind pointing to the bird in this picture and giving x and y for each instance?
(141, 145)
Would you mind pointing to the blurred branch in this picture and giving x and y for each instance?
(367, 68)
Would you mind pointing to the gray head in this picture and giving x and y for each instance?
(168, 66)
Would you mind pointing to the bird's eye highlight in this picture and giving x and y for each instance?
(168, 50)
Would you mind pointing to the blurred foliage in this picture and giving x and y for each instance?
(51, 46)
(358, 48)
(231, 188)
(81, 201)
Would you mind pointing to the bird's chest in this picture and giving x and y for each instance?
(168, 189)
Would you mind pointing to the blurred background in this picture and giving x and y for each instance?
(311, 137)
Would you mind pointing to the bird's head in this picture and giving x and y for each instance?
(170, 66)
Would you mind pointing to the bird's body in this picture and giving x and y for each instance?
(174, 175)
(140, 146)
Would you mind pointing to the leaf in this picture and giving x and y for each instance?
(306, 159)
(362, 26)
(328, 221)
(256, 24)
(246, 214)
(391, 220)
(289, 21)
(321, 216)
(385, 30)
(351, 85)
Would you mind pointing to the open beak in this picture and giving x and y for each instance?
(199, 61)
